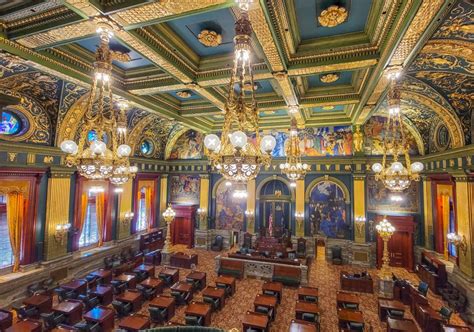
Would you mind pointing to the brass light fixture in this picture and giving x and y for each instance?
(385, 230)
(95, 159)
(236, 158)
(458, 241)
(169, 216)
(293, 168)
(396, 177)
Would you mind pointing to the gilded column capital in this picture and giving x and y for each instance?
(60, 172)
(204, 176)
(359, 176)
(461, 176)
(164, 176)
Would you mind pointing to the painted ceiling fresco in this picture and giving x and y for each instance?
(176, 83)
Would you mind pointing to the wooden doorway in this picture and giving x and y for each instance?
(182, 227)
(400, 246)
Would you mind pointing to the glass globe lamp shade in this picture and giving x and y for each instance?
(377, 167)
(268, 143)
(416, 167)
(69, 146)
(397, 166)
(98, 147)
(124, 150)
(238, 139)
(212, 142)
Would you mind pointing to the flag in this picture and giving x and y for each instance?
(270, 225)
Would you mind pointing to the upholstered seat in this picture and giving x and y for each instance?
(214, 302)
(218, 243)
(226, 288)
(158, 315)
(193, 320)
(353, 326)
(423, 288)
(52, 320)
(122, 308)
(393, 313)
(166, 278)
(445, 313)
(336, 255)
(350, 306)
(310, 298)
(90, 301)
(148, 293)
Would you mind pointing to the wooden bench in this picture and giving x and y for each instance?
(231, 268)
(288, 275)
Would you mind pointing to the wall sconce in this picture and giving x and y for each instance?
(202, 216)
(299, 216)
(127, 218)
(458, 241)
(360, 224)
(250, 215)
(61, 232)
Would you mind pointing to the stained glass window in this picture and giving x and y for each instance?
(142, 209)
(10, 124)
(146, 147)
(89, 233)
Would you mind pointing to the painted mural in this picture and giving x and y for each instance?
(185, 189)
(378, 198)
(229, 211)
(327, 211)
(374, 134)
(188, 146)
(326, 141)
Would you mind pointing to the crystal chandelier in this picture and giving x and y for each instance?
(396, 177)
(94, 158)
(293, 168)
(234, 155)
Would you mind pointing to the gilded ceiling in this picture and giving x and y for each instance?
(179, 53)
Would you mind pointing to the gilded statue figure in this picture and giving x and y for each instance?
(358, 139)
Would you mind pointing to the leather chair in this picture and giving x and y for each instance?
(193, 320)
(336, 255)
(214, 302)
(7, 321)
(122, 308)
(311, 299)
(92, 280)
(147, 292)
(65, 294)
(446, 313)
(218, 243)
(301, 248)
(158, 315)
(310, 317)
(88, 326)
(247, 241)
(226, 288)
(423, 288)
(108, 263)
(396, 314)
(35, 288)
(351, 306)
(49, 284)
(194, 282)
(89, 301)
(118, 287)
(166, 278)
(181, 298)
(24, 312)
(53, 319)
(141, 275)
(265, 310)
(353, 326)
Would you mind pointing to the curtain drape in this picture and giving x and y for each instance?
(148, 203)
(100, 215)
(445, 216)
(82, 217)
(15, 219)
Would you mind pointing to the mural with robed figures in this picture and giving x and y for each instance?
(188, 146)
(185, 189)
(378, 198)
(229, 210)
(326, 141)
(327, 211)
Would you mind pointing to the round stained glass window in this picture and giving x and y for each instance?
(146, 147)
(10, 123)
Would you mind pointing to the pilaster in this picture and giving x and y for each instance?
(300, 207)
(125, 206)
(359, 206)
(204, 200)
(428, 212)
(251, 201)
(163, 197)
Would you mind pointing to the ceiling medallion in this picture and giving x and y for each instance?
(328, 108)
(332, 16)
(329, 78)
(210, 38)
(184, 94)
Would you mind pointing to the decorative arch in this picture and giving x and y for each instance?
(339, 183)
(72, 119)
(216, 185)
(229, 213)
(137, 131)
(416, 135)
(271, 178)
(172, 141)
(450, 119)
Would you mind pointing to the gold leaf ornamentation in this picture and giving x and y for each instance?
(329, 78)
(210, 38)
(332, 16)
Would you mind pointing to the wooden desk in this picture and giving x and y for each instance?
(297, 325)
(104, 293)
(455, 328)
(183, 287)
(306, 307)
(129, 279)
(346, 298)
(215, 293)
(154, 283)
(64, 328)
(133, 297)
(78, 286)
(201, 276)
(307, 291)
(183, 260)
(385, 305)
(356, 284)
(102, 315)
(428, 318)
(174, 273)
(135, 323)
(200, 309)
(165, 302)
(276, 287)
(105, 275)
(399, 325)
(229, 281)
(255, 320)
(44, 303)
(347, 316)
(266, 301)
(27, 325)
(150, 269)
(72, 310)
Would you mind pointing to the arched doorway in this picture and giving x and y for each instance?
(275, 207)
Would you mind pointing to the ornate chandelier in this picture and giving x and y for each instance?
(293, 168)
(234, 155)
(396, 177)
(104, 154)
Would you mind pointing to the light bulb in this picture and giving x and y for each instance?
(212, 142)
(417, 167)
(377, 167)
(98, 147)
(124, 150)
(69, 146)
(268, 143)
(397, 166)
(238, 139)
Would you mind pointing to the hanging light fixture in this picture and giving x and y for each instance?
(396, 177)
(95, 159)
(293, 168)
(233, 155)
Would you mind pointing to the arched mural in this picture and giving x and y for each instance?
(230, 211)
(188, 146)
(328, 213)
